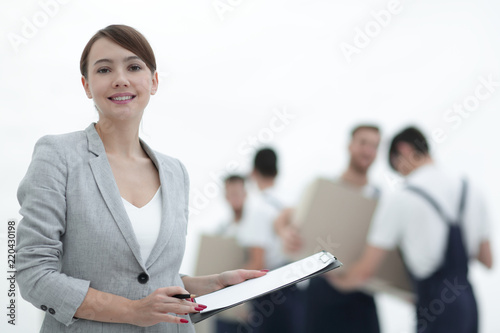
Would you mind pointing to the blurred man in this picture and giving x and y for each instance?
(236, 194)
(328, 309)
(362, 151)
(281, 311)
(439, 222)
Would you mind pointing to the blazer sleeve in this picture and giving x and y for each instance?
(42, 196)
(186, 188)
(186, 196)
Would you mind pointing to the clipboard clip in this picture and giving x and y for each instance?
(326, 257)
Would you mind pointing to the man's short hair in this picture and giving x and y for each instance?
(234, 179)
(413, 137)
(265, 162)
(364, 126)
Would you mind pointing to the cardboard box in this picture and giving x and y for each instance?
(336, 218)
(217, 254)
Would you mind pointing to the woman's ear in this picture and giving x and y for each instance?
(154, 86)
(86, 87)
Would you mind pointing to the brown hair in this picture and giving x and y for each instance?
(128, 38)
(364, 126)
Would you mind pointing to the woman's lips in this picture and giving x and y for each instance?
(121, 98)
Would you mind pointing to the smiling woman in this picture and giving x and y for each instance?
(105, 216)
(115, 75)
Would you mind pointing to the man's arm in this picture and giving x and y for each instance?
(485, 257)
(361, 271)
(256, 258)
(289, 233)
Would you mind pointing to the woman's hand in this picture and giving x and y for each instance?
(230, 278)
(202, 285)
(159, 306)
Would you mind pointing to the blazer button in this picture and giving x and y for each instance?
(43, 307)
(52, 311)
(143, 278)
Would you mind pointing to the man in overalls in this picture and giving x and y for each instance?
(439, 222)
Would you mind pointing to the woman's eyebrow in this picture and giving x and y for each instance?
(111, 61)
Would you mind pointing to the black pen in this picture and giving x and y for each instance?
(184, 296)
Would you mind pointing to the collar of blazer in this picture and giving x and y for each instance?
(104, 178)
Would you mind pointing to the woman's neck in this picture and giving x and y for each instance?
(120, 139)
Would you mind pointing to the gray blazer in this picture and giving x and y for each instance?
(75, 233)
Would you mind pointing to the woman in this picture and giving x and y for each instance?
(104, 216)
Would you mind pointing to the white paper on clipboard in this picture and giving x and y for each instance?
(274, 280)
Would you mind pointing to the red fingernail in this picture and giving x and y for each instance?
(199, 308)
(264, 270)
(202, 306)
(184, 321)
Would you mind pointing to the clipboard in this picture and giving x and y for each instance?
(274, 280)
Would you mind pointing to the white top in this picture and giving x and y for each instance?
(406, 219)
(369, 191)
(228, 227)
(146, 222)
(256, 229)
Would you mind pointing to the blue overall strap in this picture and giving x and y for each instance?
(376, 192)
(433, 202)
(462, 201)
(437, 207)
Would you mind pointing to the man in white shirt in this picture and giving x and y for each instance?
(236, 194)
(328, 308)
(439, 222)
(281, 311)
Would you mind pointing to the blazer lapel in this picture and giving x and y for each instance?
(109, 190)
(169, 190)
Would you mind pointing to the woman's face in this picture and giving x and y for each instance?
(118, 81)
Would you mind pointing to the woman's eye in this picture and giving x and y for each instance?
(135, 68)
(103, 70)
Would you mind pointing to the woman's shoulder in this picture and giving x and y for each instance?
(60, 142)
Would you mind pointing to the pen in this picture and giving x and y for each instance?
(184, 296)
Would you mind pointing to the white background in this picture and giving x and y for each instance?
(225, 74)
